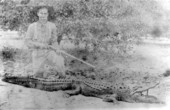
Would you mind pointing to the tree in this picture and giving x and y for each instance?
(103, 26)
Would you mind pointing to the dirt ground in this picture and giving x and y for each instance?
(147, 58)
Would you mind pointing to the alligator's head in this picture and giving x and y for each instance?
(9, 78)
(20, 80)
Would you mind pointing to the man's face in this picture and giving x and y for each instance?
(43, 14)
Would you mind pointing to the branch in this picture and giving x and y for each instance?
(145, 90)
(2, 103)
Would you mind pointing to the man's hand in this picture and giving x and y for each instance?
(52, 48)
(49, 47)
(36, 45)
(40, 46)
(43, 46)
(56, 49)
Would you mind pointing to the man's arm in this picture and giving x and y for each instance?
(53, 40)
(29, 39)
(29, 36)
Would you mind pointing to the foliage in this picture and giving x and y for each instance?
(167, 73)
(13, 17)
(18, 17)
(108, 27)
(8, 53)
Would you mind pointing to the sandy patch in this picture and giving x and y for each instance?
(153, 59)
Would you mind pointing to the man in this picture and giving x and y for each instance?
(40, 36)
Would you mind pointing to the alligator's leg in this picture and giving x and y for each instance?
(128, 99)
(75, 91)
(109, 98)
(122, 97)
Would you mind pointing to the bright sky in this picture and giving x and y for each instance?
(165, 3)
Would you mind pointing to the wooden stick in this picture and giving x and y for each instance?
(56, 49)
(72, 57)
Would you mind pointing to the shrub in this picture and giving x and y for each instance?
(167, 73)
(8, 53)
(107, 27)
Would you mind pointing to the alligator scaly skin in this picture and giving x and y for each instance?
(40, 83)
(87, 87)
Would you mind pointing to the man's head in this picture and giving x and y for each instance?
(43, 13)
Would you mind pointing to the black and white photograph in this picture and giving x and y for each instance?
(84, 54)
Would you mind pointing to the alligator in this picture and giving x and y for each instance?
(73, 86)
(39, 83)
